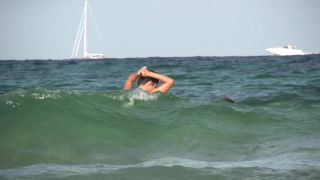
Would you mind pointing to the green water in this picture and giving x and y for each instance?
(71, 120)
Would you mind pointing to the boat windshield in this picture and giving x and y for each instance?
(289, 47)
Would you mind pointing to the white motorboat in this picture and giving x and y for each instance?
(287, 50)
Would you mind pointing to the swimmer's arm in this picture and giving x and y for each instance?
(167, 82)
(131, 79)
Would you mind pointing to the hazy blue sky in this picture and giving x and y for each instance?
(42, 29)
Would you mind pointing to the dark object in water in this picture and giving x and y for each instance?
(229, 100)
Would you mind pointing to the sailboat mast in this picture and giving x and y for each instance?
(85, 42)
(82, 32)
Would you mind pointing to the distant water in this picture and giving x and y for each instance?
(70, 119)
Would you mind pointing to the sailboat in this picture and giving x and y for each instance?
(82, 33)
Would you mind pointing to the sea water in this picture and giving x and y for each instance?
(70, 119)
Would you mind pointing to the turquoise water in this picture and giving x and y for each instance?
(70, 119)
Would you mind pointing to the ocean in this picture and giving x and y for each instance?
(70, 119)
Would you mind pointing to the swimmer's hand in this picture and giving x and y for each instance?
(143, 71)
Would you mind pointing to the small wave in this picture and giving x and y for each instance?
(58, 170)
(41, 94)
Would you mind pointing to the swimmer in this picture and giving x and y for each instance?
(148, 81)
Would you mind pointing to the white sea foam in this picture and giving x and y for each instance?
(57, 170)
(12, 103)
(140, 95)
(42, 94)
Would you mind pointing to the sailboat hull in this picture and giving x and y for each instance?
(95, 56)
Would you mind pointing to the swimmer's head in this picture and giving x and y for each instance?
(144, 80)
(147, 83)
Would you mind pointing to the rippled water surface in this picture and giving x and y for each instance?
(70, 119)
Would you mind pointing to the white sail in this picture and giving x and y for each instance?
(82, 33)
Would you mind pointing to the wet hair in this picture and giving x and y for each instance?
(144, 80)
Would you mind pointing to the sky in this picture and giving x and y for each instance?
(46, 29)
